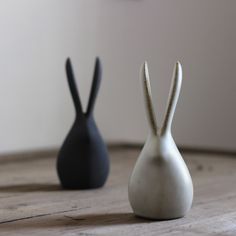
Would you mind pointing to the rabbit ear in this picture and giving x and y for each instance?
(173, 98)
(95, 86)
(144, 75)
(73, 88)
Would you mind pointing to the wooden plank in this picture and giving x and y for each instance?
(32, 202)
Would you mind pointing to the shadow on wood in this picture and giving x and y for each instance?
(81, 221)
(30, 187)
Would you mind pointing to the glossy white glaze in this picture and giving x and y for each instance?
(160, 186)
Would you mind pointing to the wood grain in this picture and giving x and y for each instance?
(32, 202)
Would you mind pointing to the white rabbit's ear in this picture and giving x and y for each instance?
(173, 98)
(144, 75)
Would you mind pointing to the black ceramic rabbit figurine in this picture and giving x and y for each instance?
(83, 161)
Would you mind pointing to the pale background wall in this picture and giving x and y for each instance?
(36, 37)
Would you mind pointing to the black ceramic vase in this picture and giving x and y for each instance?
(83, 161)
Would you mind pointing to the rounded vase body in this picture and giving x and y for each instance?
(83, 161)
(160, 186)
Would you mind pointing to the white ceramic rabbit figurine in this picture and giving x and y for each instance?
(160, 186)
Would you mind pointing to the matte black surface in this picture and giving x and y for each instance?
(83, 161)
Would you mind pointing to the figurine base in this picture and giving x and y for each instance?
(158, 218)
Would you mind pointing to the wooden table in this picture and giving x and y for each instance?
(32, 203)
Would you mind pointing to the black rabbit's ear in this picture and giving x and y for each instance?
(95, 86)
(73, 87)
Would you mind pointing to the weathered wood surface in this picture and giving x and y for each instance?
(32, 203)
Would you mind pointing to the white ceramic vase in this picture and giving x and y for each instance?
(160, 186)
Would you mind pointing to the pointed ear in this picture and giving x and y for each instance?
(144, 76)
(95, 86)
(73, 87)
(173, 98)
